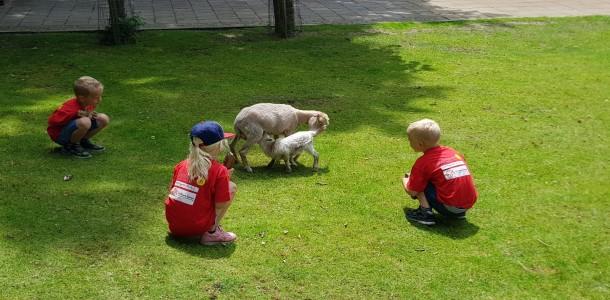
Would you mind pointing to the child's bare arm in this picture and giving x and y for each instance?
(405, 183)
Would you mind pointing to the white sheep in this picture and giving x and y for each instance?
(275, 119)
(290, 147)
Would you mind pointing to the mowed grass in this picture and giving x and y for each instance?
(526, 100)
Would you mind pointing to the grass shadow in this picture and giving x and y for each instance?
(358, 80)
(454, 229)
(192, 246)
(279, 171)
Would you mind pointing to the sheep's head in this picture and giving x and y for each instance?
(319, 121)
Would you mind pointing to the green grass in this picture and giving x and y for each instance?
(527, 101)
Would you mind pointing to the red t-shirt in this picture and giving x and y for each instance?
(190, 207)
(67, 112)
(446, 169)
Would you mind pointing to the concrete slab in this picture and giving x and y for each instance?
(86, 15)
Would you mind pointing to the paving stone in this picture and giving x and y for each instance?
(70, 15)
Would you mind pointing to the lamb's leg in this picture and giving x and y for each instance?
(315, 155)
(292, 162)
(293, 158)
(242, 153)
(271, 164)
(286, 159)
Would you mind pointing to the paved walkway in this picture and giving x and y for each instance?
(77, 15)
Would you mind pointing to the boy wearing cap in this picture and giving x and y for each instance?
(74, 123)
(201, 191)
(439, 179)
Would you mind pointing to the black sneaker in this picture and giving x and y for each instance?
(76, 150)
(422, 216)
(460, 216)
(87, 144)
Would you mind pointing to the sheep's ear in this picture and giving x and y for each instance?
(312, 121)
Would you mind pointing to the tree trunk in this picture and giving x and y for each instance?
(117, 12)
(290, 18)
(283, 12)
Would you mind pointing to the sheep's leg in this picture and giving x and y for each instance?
(232, 148)
(242, 153)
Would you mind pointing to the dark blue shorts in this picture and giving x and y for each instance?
(445, 210)
(66, 132)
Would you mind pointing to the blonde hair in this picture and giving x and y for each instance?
(200, 160)
(425, 131)
(86, 85)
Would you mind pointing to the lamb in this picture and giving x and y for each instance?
(275, 119)
(290, 147)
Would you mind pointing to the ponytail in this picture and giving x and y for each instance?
(199, 161)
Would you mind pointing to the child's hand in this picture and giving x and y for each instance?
(405, 181)
(229, 160)
(83, 113)
(231, 172)
(93, 114)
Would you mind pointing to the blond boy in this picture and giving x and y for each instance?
(74, 123)
(439, 179)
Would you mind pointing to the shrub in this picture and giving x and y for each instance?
(122, 31)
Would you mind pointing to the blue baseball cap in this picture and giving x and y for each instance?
(209, 132)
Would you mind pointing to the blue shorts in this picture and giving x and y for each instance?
(66, 132)
(445, 210)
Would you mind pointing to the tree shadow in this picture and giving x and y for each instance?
(454, 229)
(175, 79)
(192, 246)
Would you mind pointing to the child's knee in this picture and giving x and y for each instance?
(102, 120)
(83, 122)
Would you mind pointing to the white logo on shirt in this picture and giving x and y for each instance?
(184, 192)
(454, 170)
(186, 186)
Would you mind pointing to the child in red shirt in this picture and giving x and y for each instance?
(201, 191)
(76, 121)
(439, 179)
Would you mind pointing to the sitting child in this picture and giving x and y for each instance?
(201, 191)
(439, 179)
(74, 123)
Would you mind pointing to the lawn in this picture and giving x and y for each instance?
(526, 100)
